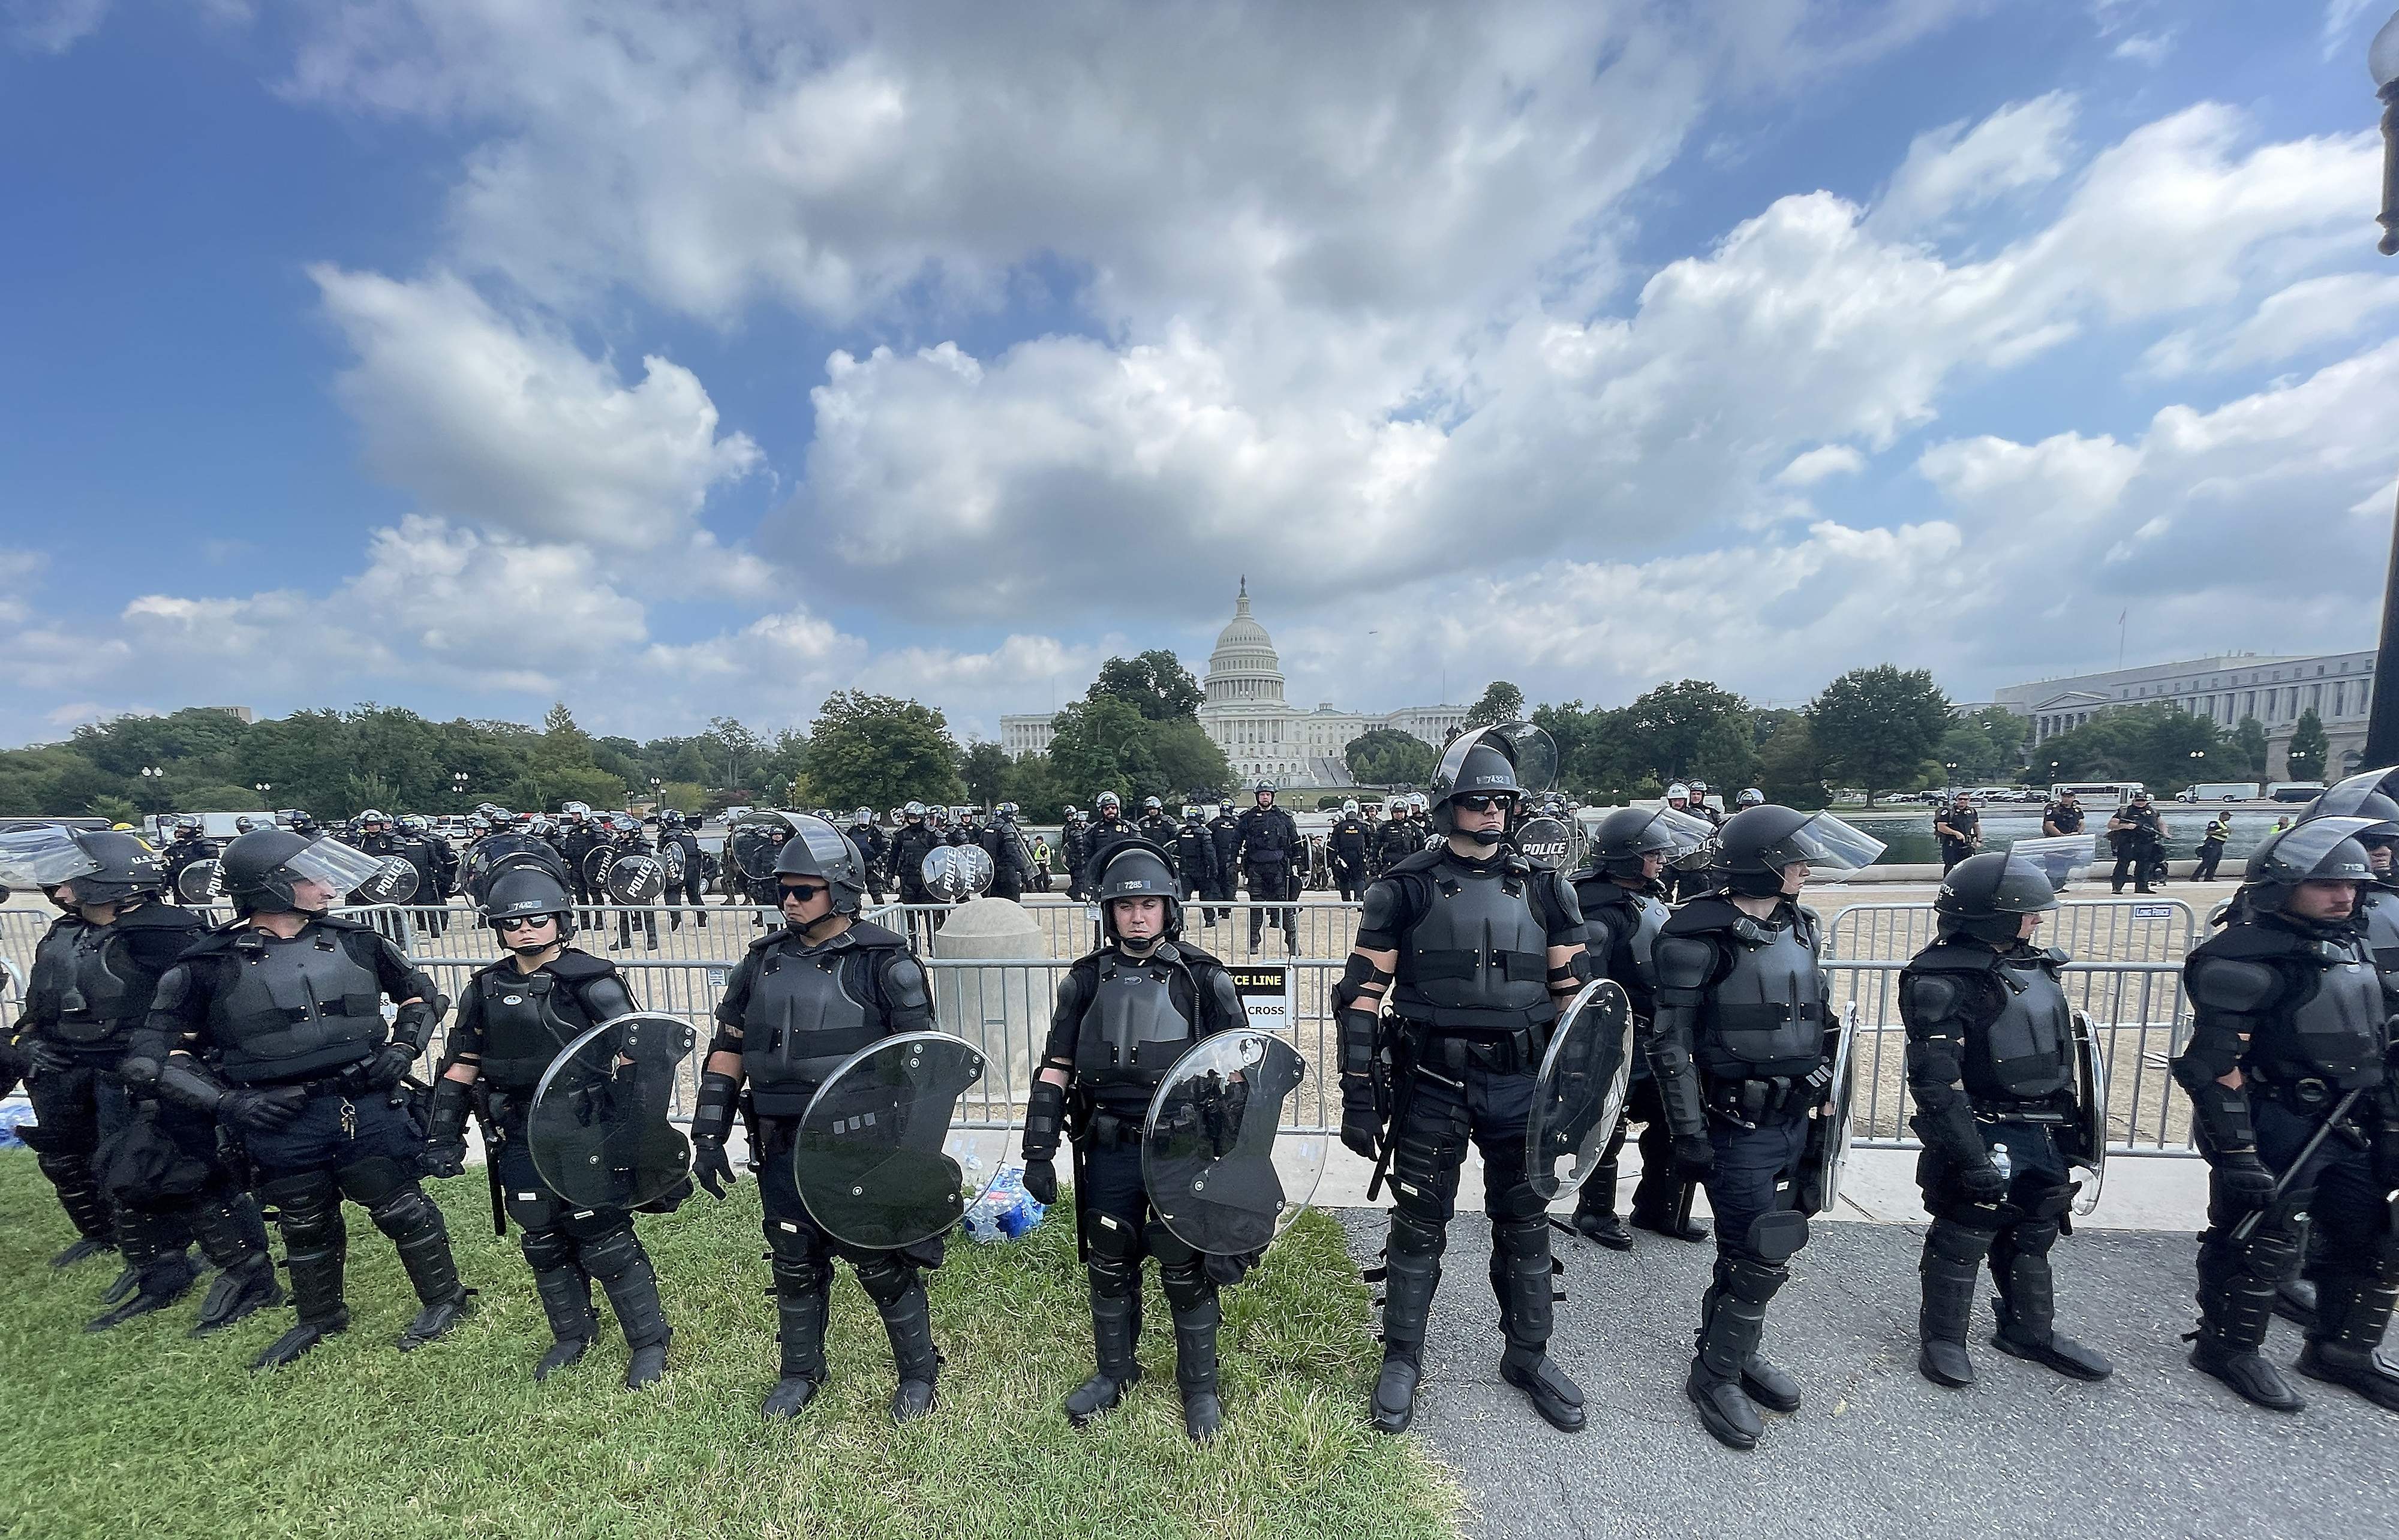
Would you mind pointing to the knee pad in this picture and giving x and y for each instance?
(373, 1180)
(1415, 1236)
(611, 1253)
(1775, 1238)
(405, 1206)
(307, 1205)
(795, 1245)
(64, 1170)
(544, 1249)
(1959, 1243)
(532, 1208)
(2031, 1237)
(887, 1279)
(1186, 1284)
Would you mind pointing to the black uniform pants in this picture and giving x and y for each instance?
(1655, 1194)
(1269, 884)
(649, 925)
(2136, 862)
(2210, 852)
(1753, 1176)
(1349, 877)
(677, 895)
(555, 1235)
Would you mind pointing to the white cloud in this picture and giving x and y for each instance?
(50, 26)
(511, 425)
(2146, 48)
(1951, 171)
(2340, 16)
(1821, 463)
(2312, 314)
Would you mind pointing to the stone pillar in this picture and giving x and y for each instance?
(1003, 1010)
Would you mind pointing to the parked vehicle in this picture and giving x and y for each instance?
(2097, 793)
(2219, 791)
(2294, 791)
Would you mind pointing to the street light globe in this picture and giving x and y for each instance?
(2382, 54)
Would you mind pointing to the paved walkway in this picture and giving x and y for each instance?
(1876, 1451)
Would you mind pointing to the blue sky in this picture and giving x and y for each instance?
(466, 355)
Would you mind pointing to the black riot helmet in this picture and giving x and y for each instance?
(520, 891)
(2364, 796)
(261, 868)
(1106, 802)
(2325, 849)
(1986, 896)
(817, 849)
(94, 867)
(1512, 759)
(187, 826)
(1138, 868)
(1151, 804)
(1627, 835)
(1756, 843)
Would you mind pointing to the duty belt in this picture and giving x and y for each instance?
(1112, 1128)
(1752, 1103)
(1453, 1048)
(2029, 1113)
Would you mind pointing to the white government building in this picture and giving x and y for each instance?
(2276, 690)
(1245, 713)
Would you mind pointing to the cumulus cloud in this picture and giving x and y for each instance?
(2310, 314)
(1821, 463)
(511, 425)
(1950, 170)
(50, 26)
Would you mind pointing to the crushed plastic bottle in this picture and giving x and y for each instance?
(2001, 1159)
(1006, 1212)
(14, 1111)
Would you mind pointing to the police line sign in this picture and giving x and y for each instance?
(1265, 991)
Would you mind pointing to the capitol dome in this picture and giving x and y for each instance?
(1243, 671)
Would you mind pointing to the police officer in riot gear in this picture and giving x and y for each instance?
(273, 1023)
(1470, 948)
(873, 847)
(627, 839)
(1991, 1066)
(1074, 849)
(1225, 829)
(804, 998)
(188, 846)
(686, 879)
(62, 1147)
(515, 1015)
(1194, 849)
(1004, 843)
(1270, 857)
(1743, 1045)
(1395, 841)
(1108, 830)
(1624, 906)
(2289, 1041)
(913, 842)
(1125, 1014)
(580, 836)
(1345, 847)
(1154, 826)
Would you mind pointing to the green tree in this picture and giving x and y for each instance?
(1875, 727)
(2155, 743)
(1103, 745)
(684, 796)
(985, 769)
(1385, 756)
(1033, 784)
(1985, 745)
(879, 751)
(1788, 771)
(1501, 702)
(1690, 728)
(1155, 684)
(115, 809)
(2249, 749)
(1190, 764)
(2306, 757)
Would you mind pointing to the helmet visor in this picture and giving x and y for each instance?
(339, 867)
(1826, 843)
(2301, 850)
(1674, 834)
(42, 858)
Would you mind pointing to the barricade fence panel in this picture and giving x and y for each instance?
(1004, 1007)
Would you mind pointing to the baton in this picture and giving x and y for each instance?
(2248, 1224)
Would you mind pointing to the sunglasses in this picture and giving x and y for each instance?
(800, 892)
(524, 922)
(1479, 802)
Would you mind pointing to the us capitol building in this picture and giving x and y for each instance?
(1245, 713)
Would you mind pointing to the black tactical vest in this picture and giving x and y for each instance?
(2026, 1052)
(1478, 958)
(806, 1013)
(1133, 1030)
(94, 999)
(54, 964)
(2335, 1030)
(1766, 1018)
(296, 1009)
(528, 1018)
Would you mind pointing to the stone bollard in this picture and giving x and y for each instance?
(1002, 1010)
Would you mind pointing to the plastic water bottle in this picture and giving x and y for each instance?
(1999, 1160)
(1005, 1211)
(15, 1110)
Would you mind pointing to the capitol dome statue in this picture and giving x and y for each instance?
(1243, 669)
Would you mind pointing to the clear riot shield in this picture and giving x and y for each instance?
(2089, 1162)
(877, 1160)
(201, 883)
(393, 883)
(1827, 1155)
(1222, 1171)
(1578, 1095)
(634, 878)
(1543, 841)
(598, 1128)
(956, 873)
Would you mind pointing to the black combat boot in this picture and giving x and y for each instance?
(1732, 1322)
(166, 1273)
(414, 1227)
(1523, 1276)
(86, 1208)
(1952, 1260)
(801, 1291)
(624, 1272)
(1411, 1272)
(2352, 1312)
(898, 1292)
(2236, 1304)
(1192, 1294)
(234, 1238)
(1116, 1330)
(314, 1241)
(565, 1294)
(2027, 1305)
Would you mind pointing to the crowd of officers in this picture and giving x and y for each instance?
(188, 1080)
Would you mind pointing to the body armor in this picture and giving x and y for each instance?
(54, 964)
(92, 997)
(297, 1009)
(1766, 1016)
(801, 1021)
(1133, 1030)
(2026, 1052)
(2380, 910)
(1478, 958)
(528, 1018)
(2336, 1031)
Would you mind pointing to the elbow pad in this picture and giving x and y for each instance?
(413, 1027)
(1045, 1118)
(712, 1116)
(181, 1080)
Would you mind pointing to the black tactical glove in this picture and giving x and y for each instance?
(1694, 1156)
(387, 1067)
(47, 1058)
(262, 1112)
(445, 1137)
(2243, 1180)
(1981, 1183)
(1041, 1182)
(710, 1166)
(15, 1062)
(1361, 1131)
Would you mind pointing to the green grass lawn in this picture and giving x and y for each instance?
(140, 1433)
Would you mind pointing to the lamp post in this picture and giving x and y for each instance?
(2382, 720)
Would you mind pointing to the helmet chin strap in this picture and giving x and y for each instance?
(1484, 837)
